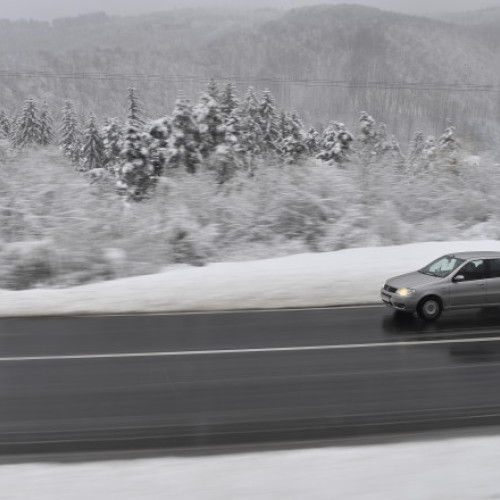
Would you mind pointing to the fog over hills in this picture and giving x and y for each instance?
(328, 62)
(53, 9)
(488, 15)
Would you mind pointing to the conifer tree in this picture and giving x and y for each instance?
(251, 105)
(312, 141)
(335, 145)
(251, 133)
(184, 142)
(213, 90)
(112, 137)
(328, 143)
(28, 128)
(416, 149)
(228, 100)
(46, 125)
(229, 155)
(269, 123)
(93, 155)
(232, 130)
(160, 133)
(374, 140)
(14, 122)
(448, 148)
(283, 124)
(135, 113)
(386, 149)
(70, 136)
(136, 172)
(382, 142)
(394, 151)
(293, 145)
(137, 176)
(368, 135)
(345, 140)
(210, 122)
(5, 125)
(448, 143)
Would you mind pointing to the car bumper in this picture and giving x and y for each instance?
(395, 301)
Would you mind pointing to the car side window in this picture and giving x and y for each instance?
(474, 270)
(494, 268)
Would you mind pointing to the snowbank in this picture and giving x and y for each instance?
(346, 277)
(458, 468)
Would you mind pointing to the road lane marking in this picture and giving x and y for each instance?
(212, 352)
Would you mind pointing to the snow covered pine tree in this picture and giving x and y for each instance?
(5, 125)
(93, 155)
(28, 128)
(269, 123)
(46, 134)
(184, 143)
(136, 173)
(293, 146)
(70, 136)
(112, 137)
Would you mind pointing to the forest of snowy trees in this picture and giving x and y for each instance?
(222, 133)
(228, 177)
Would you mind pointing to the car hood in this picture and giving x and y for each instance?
(412, 280)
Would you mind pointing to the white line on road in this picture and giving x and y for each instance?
(166, 354)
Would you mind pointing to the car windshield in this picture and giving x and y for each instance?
(442, 267)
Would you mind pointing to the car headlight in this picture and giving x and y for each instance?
(405, 292)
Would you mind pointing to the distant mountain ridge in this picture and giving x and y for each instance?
(329, 62)
(360, 44)
(488, 15)
(484, 24)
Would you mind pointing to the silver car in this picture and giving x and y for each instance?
(456, 281)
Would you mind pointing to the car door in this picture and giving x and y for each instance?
(493, 282)
(472, 290)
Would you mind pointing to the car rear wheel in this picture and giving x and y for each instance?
(430, 309)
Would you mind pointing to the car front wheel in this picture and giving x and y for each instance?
(429, 309)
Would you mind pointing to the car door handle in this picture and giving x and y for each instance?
(480, 284)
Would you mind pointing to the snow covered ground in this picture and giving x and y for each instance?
(345, 277)
(454, 468)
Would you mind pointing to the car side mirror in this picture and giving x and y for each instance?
(459, 277)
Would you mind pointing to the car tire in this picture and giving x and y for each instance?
(429, 309)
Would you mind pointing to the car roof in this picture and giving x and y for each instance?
(476, 255)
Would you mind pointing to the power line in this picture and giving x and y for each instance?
(183, 78)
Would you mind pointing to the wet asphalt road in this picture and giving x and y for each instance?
(197, 379)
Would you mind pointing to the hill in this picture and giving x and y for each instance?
(486, 16)
(406, 56)
(327, 62)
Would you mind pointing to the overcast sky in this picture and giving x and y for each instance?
(50, 9)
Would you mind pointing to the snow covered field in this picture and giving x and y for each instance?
(345, 277)
(454, 468)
